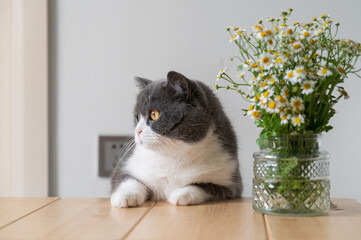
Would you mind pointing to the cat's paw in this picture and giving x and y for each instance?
(129, 194)
(188, 195)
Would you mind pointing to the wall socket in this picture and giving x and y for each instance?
(109, 149)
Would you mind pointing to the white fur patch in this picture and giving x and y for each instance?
(188, 195)
(130, 193)
(174, 164)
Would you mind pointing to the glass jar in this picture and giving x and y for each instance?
(291, 176)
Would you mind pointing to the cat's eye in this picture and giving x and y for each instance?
(138, 117)
(154, 114)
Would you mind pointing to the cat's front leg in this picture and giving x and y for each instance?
(188, 195)
(130, 193)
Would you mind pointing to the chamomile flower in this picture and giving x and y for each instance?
(324, 72)
(307, 87)
(234, 38)
(255, 114)
(285, 92)
(241, 74)
(297, 104)
(251, 108)
(272, 107)
(220, 73)
(263, 86)
(297, 47)
(279, 61)
(289, 75)
(267, 94)
(305, 34)
(299, 74)
(272, 80)
(266, 60)
(284, 118)
(297, 120)
(257, 28)
(282, 101)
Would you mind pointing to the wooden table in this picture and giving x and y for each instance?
(55, 218)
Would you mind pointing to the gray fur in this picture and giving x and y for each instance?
(188, 109)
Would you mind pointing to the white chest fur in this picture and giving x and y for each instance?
(180, 164)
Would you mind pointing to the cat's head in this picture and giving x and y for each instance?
(170, 109)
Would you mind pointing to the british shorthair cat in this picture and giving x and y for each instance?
(185, 149)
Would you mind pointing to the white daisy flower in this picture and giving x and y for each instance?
(297, 47)
(282, 101)
(220, 73)
(324, 72)
(297, 120)
(284, 118)
(289, 75)
(297, 104)
(305, 34)
(251, 108)
(257, 28)
(299, 74)
(263, 86)
(234, 38)
(279, 61)
(285, 92)
(307, 87)
(267, 94)
(241, 74)
(266, 60)
(272, 79)
(255, 114)
(272, 107)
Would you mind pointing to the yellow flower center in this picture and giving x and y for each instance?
(270, 42)
(278, 60)
(258, 28)
(289, 31)
(254, 65)
(269, 32)
(290, 74)
(297, 120)
(299, 70)
(281, 99)
(272, 105)
(263, 34)
(255, 114)
(250, 107)
(297, 46)
(265, 59)
(296, 103)
(272, 80)
(283, 25)
(286, 92)
(307, 86)
(256, 98)
(306, 34)
(265, 94)
(233, 37)
(295, 89)
(312, 42)
(284, 117)
(235, 28)
(287, 55)
(264, 84)
(324, 71)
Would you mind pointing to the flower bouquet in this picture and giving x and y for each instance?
(296, 76)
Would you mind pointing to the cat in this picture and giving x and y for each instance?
(185, 149)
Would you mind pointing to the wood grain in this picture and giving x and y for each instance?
(342, 222)
(76, 219)
(233, 219)
(12, 209)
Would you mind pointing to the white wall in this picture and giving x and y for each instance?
(97, 47)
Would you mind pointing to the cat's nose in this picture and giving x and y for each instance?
(139, 131)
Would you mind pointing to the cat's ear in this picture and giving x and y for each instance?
(142, 82)
(180, 83)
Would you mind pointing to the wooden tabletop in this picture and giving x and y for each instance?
(55, 218)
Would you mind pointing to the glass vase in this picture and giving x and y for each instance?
(291, 176)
